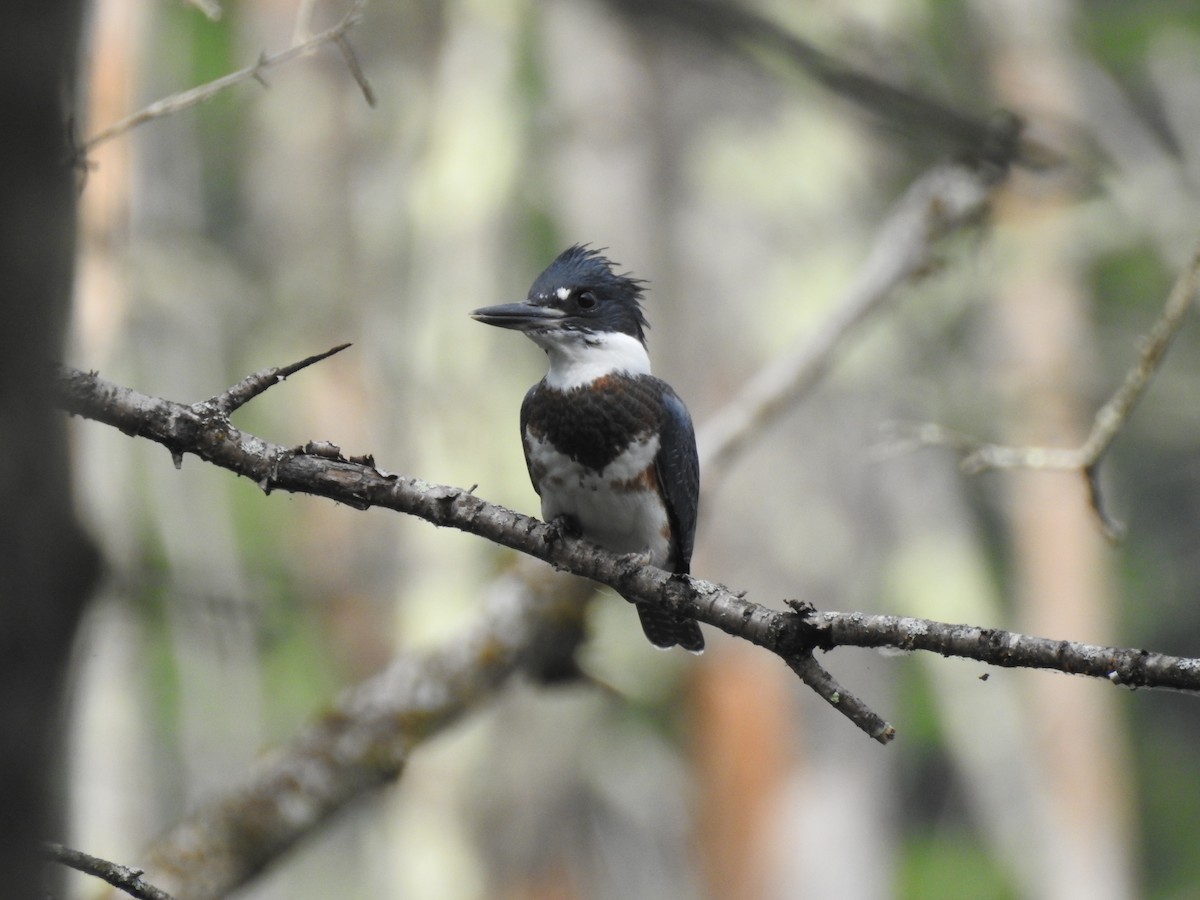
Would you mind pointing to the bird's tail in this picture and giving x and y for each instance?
(666, 630)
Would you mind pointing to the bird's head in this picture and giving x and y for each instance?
(578, 297)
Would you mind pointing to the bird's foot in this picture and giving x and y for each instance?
(565, 526)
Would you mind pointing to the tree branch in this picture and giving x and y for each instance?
(979, 456)
(320, 469)
(998, 140)
(364, 739)
(204, 429)
(121, 877)
(359, 744)
(195, 96)
(1125, 666)
(229, 401)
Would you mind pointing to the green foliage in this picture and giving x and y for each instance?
(1166, 734)
(949, 865)
(1131, 280)
(195, 52)
(1121, 34)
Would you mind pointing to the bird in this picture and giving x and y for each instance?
(610, 448)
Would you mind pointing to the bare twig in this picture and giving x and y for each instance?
(121, 877)
(252, 385)
(816, 677)
(946, 199)
(1125, 666)
(197, 95)
(980, 456)
(356, 70)
(813, 674)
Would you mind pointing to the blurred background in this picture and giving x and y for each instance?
(268, 225)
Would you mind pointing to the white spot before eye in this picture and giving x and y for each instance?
(563, 293)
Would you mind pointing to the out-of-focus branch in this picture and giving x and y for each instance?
(979, 456)
(197, 95)
(123, 877)
(998, 141)
(359, 744)
(947, 199)
(364, 739)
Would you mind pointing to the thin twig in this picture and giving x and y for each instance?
(1111, 417)
(122, 877)
(980, 456)
(252, 385)
(356, 70)
(813, 674)
(197, 95)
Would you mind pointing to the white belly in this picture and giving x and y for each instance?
(610, 507)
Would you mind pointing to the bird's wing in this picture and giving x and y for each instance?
(525, 406)
(678, 469)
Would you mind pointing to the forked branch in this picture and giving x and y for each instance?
(979, 456)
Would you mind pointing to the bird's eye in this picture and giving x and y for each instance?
(586, 300)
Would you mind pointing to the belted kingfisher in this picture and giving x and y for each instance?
(610, 448)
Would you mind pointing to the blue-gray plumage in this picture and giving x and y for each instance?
(610, 448)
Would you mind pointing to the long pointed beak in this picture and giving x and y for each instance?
(520, 316)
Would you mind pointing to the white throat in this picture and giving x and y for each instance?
(578, 359)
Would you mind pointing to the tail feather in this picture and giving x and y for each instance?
(666, 630)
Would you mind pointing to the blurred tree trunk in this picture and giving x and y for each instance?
(1062, 576)
(47, 563)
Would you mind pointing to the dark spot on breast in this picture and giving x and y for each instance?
(593, 424)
